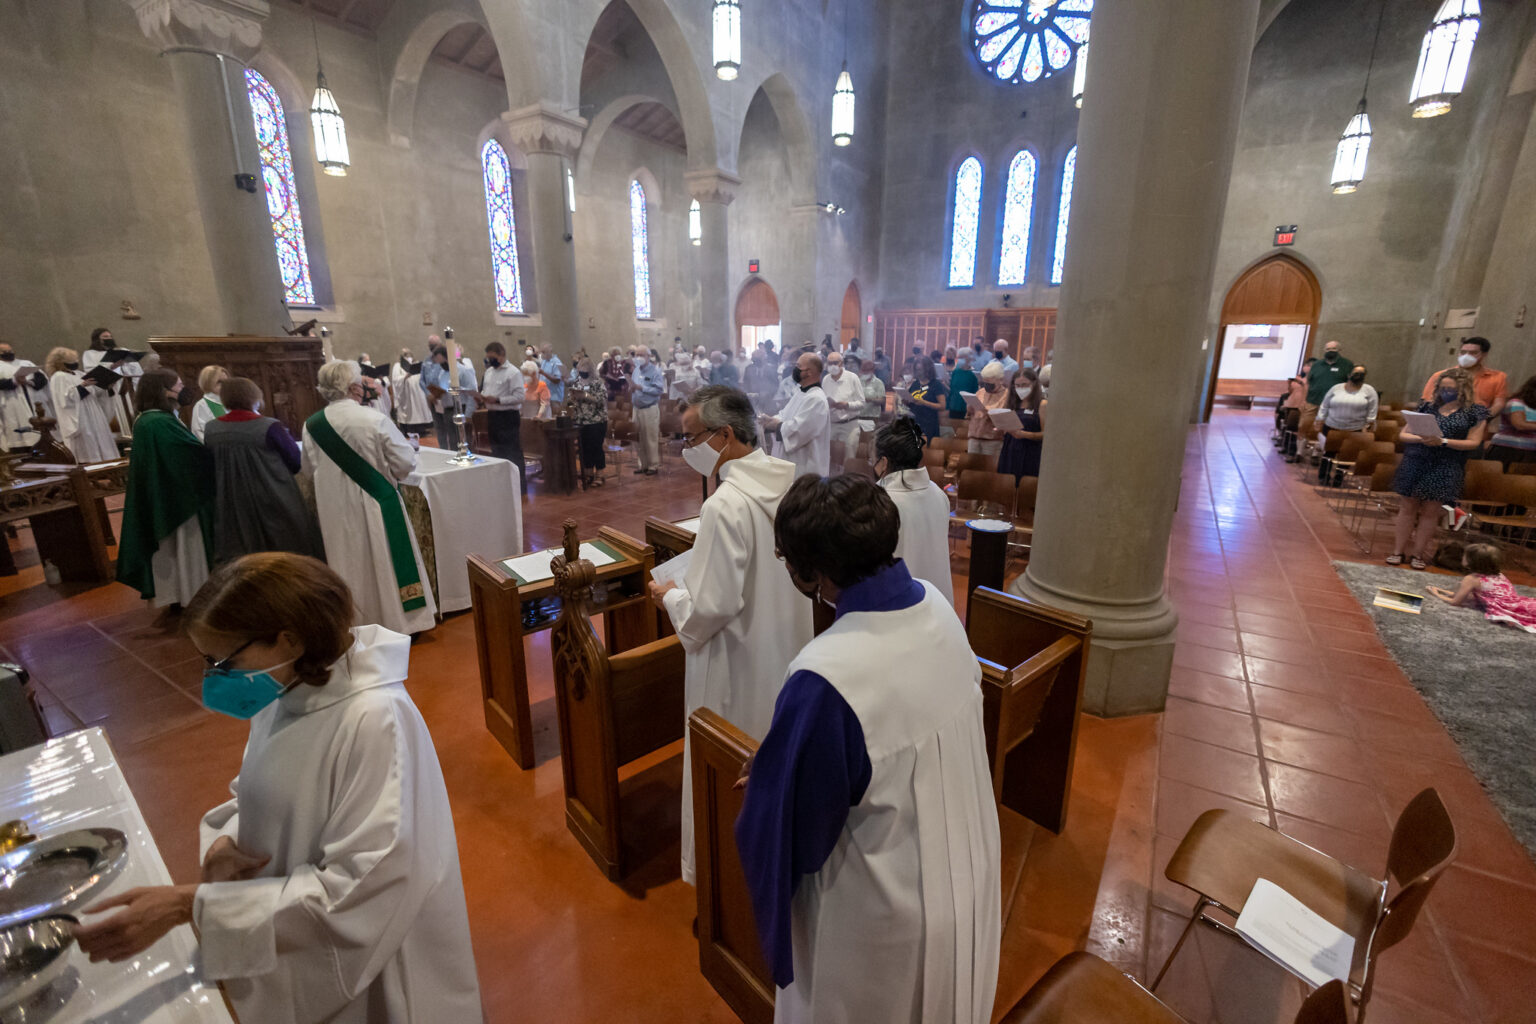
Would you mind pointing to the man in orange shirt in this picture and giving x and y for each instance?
(1490, 386)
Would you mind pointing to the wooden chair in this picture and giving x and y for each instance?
(1521, 469)
(951, 445)
(1481, 480)
(972, 461)
(936, 474)
(981, 492)
(1512, 510)
(1224, 853)
(611, 708)
(935, 457)
(1082, 989)
(1387, 430)
(1379, 503)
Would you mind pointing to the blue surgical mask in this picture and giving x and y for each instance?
(1447, 395)
(241, 694)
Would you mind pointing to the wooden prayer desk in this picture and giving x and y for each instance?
(67, 509)
(284, 369)
(508, 607)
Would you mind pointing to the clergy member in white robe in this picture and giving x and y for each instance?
(82, 409)
(411, 406)
(208, 407)
(924, 508)
(738, 616)
(381, 396)
(330, 888)
(18, 399)
(805, 422)
(868, 834)
(357, 460)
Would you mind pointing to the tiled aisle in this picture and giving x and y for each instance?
(1283, 705)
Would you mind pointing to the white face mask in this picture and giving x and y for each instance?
(1028, 364)
(701, 458)
(836, 370)
(640, 360)
(1467, 361)
(1022, 393)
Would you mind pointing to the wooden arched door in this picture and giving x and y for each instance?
(853, 315)
(1268, 321)
(757, 315)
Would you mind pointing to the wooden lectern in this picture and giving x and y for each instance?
(506, 608)
(284, 369)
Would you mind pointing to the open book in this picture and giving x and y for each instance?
(972, 403)
(1294, 935)
(102, 375)
(1005, 419)
(1422, 424)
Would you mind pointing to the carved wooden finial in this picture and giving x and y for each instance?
(572, 543)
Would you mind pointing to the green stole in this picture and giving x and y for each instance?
(214, 407)
(377, 486)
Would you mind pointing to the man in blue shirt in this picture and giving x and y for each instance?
(646, 385)
(1010, 365)
(553, 372)
(435, 374)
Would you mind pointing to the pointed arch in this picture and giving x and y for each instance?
(501, 218)
(795, 128)
(1063, 214)
(282, 189)
(640, 247)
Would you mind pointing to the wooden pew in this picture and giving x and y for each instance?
(1032, 659)
(612, 709)
(1250, 390)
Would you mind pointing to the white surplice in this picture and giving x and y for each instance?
(16, 406)
(410, 401)
(203, 413)
(351, 523)
(904, 920)
(120, 407)
(359, 917)
(84, 425)
(738, 616)
(805, 429)
(924, 540)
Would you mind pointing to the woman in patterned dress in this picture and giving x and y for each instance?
(1433, 468)
(586, 399)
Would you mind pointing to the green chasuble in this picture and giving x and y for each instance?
(170, 480)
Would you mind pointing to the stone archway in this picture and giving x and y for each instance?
(757, 306)
(853, 315)
(1279, 291)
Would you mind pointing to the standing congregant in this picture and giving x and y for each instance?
(358, 459)
(502, 394)
(805, 422)
(437, 376)
(645, 388)
(412, 411)
(22, 386)
(737, 615)
(81, 407)
(869, 834)
(168, 509)
(845, 400)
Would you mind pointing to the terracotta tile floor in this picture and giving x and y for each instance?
(1283, 705)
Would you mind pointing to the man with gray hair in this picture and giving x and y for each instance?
(737, 613)
(805, 422)
(356, 460)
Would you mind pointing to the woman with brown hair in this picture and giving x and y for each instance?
(1433, 468)
(1021, 448)
(167, 540)
(330, 885)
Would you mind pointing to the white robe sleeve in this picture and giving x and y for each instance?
(356, 904)
(806, 421)
(66, 402)
(398, 452)
(716, 580)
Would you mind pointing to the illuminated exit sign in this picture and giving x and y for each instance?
(752, 266)
(1285, 235)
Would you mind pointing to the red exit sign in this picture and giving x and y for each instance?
(1285, 235)
(751, 266)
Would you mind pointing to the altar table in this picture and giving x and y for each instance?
(467, 510)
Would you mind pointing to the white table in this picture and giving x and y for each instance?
(74, 782)
(475, 510)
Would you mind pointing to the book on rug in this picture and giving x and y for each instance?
(1294, 935)
(1399, 600)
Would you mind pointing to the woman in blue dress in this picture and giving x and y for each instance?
(1433, 468)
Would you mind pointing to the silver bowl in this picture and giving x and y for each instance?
(32, 956)
(56, 873)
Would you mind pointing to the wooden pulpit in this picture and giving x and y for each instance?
(612, 709)
(284, 369)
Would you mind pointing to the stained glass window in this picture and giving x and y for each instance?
(641, 243)
(503, 225)
(962, 236)
(1026, 40)
(1067, 174)
(1018, 208)
(282, 192)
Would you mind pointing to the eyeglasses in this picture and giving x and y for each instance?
(223, 663)
(694, 440)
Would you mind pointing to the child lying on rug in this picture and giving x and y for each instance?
(1489, 589)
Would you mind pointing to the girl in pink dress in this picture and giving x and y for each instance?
(1489, 589)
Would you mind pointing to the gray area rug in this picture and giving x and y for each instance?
(1476, 676)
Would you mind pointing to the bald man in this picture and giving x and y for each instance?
(805, 422)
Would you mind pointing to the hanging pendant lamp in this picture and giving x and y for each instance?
(330, 130)
(1355, 144)
(1444, 57)
(727, 22)
(695, 223)
(1080, 75)
(842, 109)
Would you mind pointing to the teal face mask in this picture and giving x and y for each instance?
(241, 694)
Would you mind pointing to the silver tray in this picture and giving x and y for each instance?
(53, 874)
(32, 957)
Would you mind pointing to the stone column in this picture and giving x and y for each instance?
(714, 190)
(1155, 145)
(236, 225)
(551, 139)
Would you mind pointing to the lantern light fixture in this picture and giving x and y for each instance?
(1354, 145)
(325, 116)
(1444, 58)
(727, 39)
(842, 109)
(695, 223)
